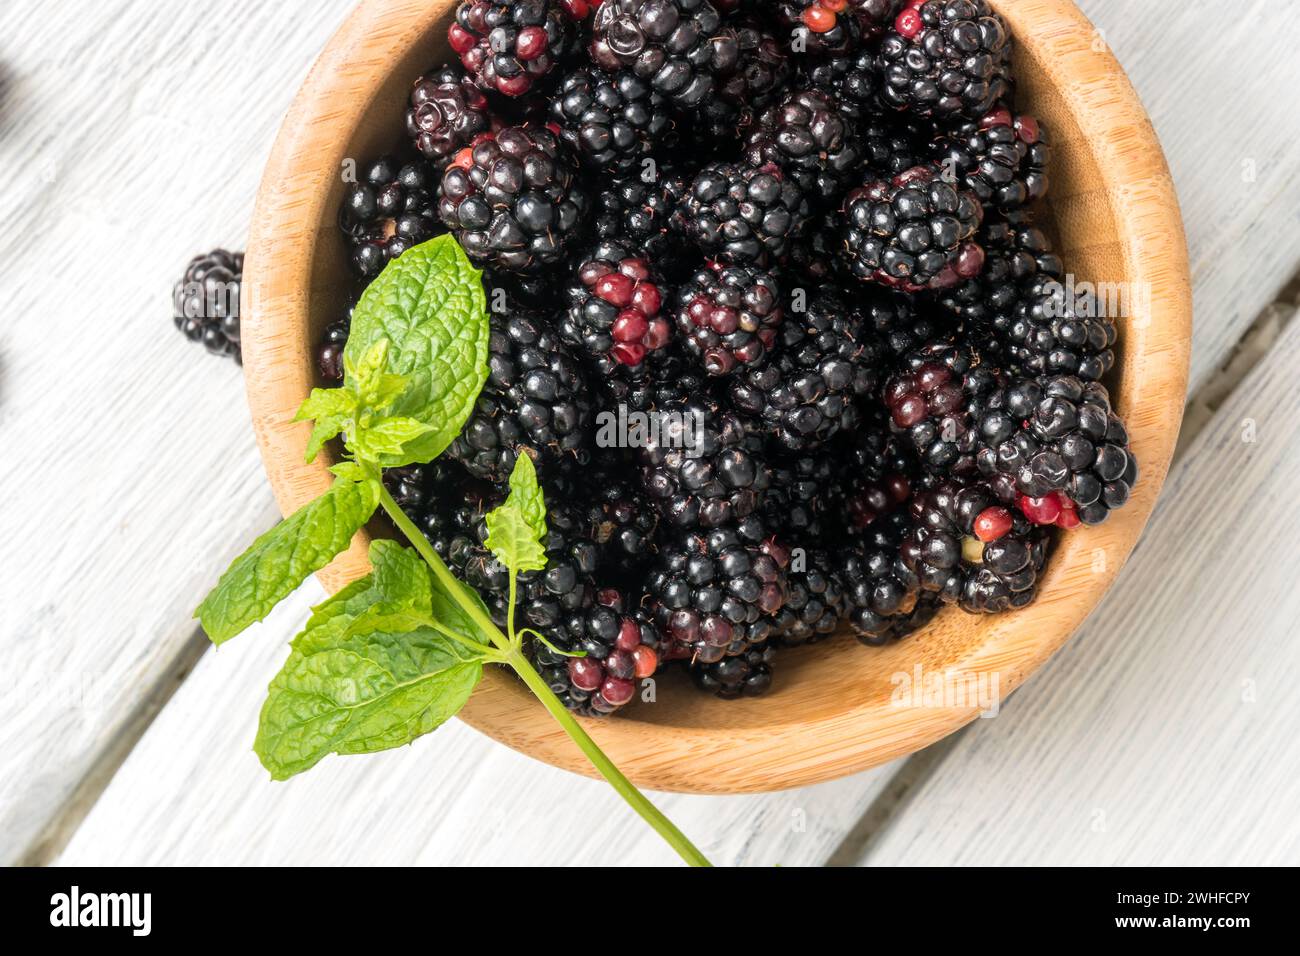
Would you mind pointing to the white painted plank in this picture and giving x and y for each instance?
(1164, 733)
(192, 792)
(133, 136)
(1214, 79)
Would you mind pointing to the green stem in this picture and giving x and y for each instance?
(440, 570)
(634, 797)
(515, 658)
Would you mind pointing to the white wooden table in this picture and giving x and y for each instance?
(133, 134)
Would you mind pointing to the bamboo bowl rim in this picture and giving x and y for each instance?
(832, 713)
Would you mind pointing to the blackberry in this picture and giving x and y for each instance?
(747, 674)
(678, 46)
(440, 498)
(823, 363)
(507, 45)
(968, 549)
(823, 24)
(805, 498)
(745, 215)
(937, 402)
(880, 590)
(205, 302)
(848, 78)
(815, 601)
(1016, 253)
(669, 377)
(391, 209)
(912, 232)
(536, 395)
(890, 145)
(728, 316)
(763, 70)
(946, 59)
(329, 352)
(614, 308)
(880, 473)
(610, 119)
(637, 213)
(619, 648)
(714, 593)
(623, 520)
(703, 467)
(447, 111)
(513, 199)
(1000, 158)
(1059, 330)
(808, 136)
(1058, 434)
(896, 628)
(904, 323)
(814, 255)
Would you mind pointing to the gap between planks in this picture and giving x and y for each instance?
(1250, 349)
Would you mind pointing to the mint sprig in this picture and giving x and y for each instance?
(394, 655)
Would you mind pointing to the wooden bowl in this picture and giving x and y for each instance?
(831, 711)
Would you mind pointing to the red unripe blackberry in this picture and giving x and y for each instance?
(506, 45)
(615, 308)
(728, 316)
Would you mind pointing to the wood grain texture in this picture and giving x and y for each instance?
(1164, 734)
(1211, 83)
(132, 137)
(452, 798)
(832, 714)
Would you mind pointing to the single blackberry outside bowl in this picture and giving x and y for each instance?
(1112, 210)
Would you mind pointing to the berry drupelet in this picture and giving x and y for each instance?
(728, 316)
(610, 119)
(822, 364)
(507, 45)
(614, 308)
(513, 199)
(1059, 435)
(741, 214)
(912, 232)
(536, 396)
(946, 59)
(391, 209)
(205, 302)
(678, 46)
(447, 111)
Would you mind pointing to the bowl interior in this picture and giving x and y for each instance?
(832, 704)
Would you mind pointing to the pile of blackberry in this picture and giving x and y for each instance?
(775, 315)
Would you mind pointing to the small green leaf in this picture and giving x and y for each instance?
(332, 409)
(279, 560)
(429, 304)
(349, 470)
(362, 375)
(387, 437)
(350, 693)
(517, 527)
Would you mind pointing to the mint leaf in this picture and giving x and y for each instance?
(333, 410)
(359, 693)
(281, 559)
(429, 304)
(400, 576)
(517, 527)
(386, 438)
